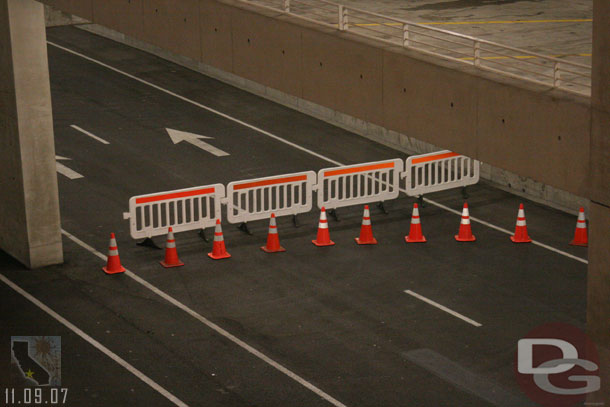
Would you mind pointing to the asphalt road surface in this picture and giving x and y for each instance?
(308, 327)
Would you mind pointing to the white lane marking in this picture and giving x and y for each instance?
(95, 343)
(298, 147)
(63, 170)
(213, 326)
(195, 139)
(442, 307)
(93, 136)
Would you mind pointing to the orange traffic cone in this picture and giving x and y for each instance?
(520, 235)
(465, 233)
(113, 264)
(218, 249)
(323, 238)
(366, 230)
(580, 234)
(415, 233)
(171, 255)
(273, 240)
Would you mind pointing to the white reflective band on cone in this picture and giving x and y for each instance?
(322, 225)
(170, 245)
(114, 252)
(521, 222)
(366, 222)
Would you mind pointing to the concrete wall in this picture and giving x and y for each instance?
(529, 130)
(30, 229)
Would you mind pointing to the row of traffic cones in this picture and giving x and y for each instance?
(415, 235)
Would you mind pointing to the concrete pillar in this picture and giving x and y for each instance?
(30, 227)
(598, 297)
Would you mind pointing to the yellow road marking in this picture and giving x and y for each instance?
(583, 20)
(527, 57)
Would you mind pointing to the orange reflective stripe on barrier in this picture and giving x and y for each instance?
(433, 157)
(175, 195)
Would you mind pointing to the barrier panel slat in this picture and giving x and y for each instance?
(182, 209)
(359, 183)
(255, 199)
(439, 171)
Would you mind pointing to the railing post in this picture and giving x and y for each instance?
(556, 75)
(287, 6)
(477, 53)
(405, 35)
(342, 17)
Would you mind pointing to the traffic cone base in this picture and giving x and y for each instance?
(371, 241)
(267, 250)
(173, 264)
(113, 270)
(577, 243)
(319, 244)
(517, 239)
(113, 263)
(461, 239)
(422, 239)
(219, 256)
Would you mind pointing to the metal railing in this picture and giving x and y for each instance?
(486, 55)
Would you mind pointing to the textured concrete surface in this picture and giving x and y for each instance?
(598, 321)
(29, 208)
(337, 317)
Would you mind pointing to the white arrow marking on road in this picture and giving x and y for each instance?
(63, 170)
(195, 139)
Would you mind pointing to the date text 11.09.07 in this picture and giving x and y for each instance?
(35, 396)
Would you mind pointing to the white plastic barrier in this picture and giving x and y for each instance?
(182, 209)
(358, 184)
(255, 199)
(439, 171)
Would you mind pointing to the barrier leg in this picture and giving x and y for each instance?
(382, 208)
(148, 242)
(465, 193)
(203, 236)
(420, 199)
(295, 221)
(244, 228)
(334, 214)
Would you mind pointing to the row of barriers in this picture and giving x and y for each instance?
(292, 194)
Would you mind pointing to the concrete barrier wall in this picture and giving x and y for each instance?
(529, 130)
